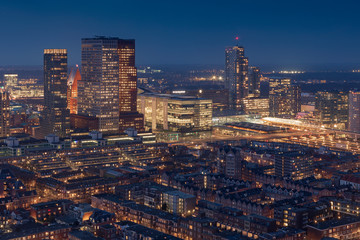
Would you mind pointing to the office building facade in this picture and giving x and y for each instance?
(56, 116)
(11, 81)
(257, 106)
(284, 98)
(219, 96)
(254, 81)
(332, 109)
(108, 86)
(5, 113)
(236, 75)
(175, 113)
(354, 111)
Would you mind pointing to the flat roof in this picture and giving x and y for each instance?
(335, 223)
(172, 96)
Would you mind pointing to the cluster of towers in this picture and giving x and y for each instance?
(102, 98)
(243, 83)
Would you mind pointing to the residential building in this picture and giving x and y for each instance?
(295, 165)
(47, 211)
(236, 75)
(178, 203)
(344, 228)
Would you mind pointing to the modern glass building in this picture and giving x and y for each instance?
(175, 113)
(354, 111)
(332, 109)
(254, 81)
(98, 94)
(108, 86)
(5, 113)
(257, 106)
(236, 75)
(56, 116)
(284, 98)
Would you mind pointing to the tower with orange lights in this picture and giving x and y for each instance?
(72, 91)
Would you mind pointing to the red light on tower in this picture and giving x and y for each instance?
(236, 38)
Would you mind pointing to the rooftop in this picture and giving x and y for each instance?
(335, 223)
(84, 235)
(172, 96)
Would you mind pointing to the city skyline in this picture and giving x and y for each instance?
(300, 35)
(212, 144)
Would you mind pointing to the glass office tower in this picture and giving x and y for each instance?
(108, 85)
(56, 116)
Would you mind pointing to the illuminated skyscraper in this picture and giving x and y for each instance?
(56, 117)
(254, 81)
(5, 113)
(107, 89)
(127, 76)
(284, 98)
(129, 117)
(354, 111)
(236, 75)
(332, 109)
(72, 90)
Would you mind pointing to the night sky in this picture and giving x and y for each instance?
(285, 34)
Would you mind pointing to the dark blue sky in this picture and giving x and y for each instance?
(295, 34)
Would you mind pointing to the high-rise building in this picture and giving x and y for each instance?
(254, 81)
(56, 117)
(107, 89)
(5, 113)
(332, 109)
(284, 98)
(72, 90)
(236, 75)
(127, 76)
(129, 116)
(354, 111)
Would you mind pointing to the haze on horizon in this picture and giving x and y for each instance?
(288, 34)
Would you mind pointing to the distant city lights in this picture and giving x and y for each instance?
(290, 72)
